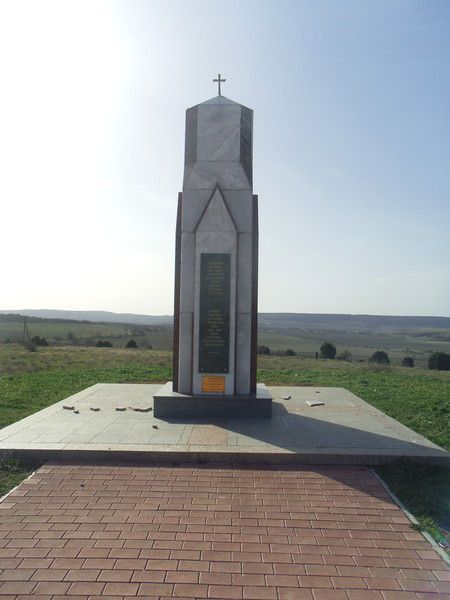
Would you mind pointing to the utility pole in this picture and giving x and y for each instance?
(25, 333)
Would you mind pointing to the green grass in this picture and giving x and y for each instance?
(15, 359)
(426, 493)
(11, 473)
(23, 395)
(87, 334)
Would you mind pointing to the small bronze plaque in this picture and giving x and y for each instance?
(214, 334)
(213, 383)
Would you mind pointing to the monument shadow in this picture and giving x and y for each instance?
(306, 437)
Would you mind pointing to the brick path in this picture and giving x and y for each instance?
(87, 532)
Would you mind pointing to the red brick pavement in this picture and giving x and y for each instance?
(118, 532)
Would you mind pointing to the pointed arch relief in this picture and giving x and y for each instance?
(217, 215)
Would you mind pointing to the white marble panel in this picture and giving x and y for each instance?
(240, 204)
(215, 241)
(243, 346)
(187, 272)
(185, 353)
(194, 203)
(244, 273)
(219, 132)
(217, 217)
(206, 175)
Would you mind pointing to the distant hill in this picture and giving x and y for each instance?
(96, 316)
(266, 321)
(349, 322)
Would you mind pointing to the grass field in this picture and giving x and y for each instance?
(15, 359)
(417, 342)
(76, 333)
(419, 398)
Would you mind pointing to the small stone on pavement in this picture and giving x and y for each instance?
(314, 403)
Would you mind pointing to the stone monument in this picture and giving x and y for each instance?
(216, 271)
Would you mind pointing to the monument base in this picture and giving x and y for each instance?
(173, 405)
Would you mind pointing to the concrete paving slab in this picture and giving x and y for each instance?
(344, 430)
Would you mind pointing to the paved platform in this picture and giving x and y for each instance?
(327, 533)
(344, 430)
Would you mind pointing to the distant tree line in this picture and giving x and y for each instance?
(108, 344)
(267, 351)
(328, 351)
(437, 360)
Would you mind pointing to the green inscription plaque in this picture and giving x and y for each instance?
(214, 335)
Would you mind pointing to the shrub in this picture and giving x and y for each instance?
(380, 357)
(262, 350)
(131, 344)
(439, 361)
(104, 344)
(39, 341)
(327, 350)
(408, 361)
(290, 352)
(344, 355)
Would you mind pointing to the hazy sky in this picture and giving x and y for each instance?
(351, 148)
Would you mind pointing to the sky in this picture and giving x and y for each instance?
(351, 148)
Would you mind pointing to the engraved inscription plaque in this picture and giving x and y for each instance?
(214, 334)
(213, 383)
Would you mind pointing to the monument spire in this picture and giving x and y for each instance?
(219, 81)
(216, 271)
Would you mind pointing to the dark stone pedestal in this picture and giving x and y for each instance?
(170, 404)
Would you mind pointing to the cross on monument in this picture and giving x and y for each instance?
(219, 81)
